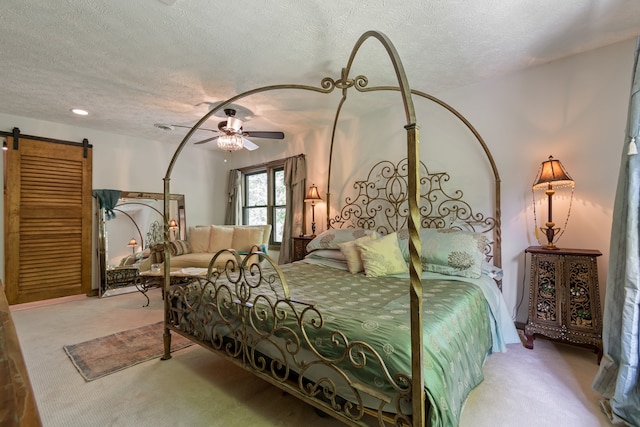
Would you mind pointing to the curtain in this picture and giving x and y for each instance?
(234, 201)
(295, 177)
(107, 200)
(617, 378)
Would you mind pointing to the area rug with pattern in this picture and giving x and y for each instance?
(102, 356)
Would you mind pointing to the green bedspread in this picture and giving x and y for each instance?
(457, 336)
(457, 331)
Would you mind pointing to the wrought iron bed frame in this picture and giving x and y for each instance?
(255, 311)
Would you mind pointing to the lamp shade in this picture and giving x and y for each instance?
(552, 172)
(173, 225)
(312, 194)
(132, 242)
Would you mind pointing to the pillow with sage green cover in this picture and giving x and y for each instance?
(382, 257)
(448, 251)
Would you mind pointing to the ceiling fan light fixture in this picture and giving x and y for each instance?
(234, 124)
(230, 142)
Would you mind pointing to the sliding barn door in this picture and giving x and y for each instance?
(47, 219)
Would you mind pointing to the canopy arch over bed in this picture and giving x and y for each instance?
(412, 218)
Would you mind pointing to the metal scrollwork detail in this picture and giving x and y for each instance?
(546, 303)
(579, 294)
(245, 312)
(328, 84)
(381, 203)
(360, 82)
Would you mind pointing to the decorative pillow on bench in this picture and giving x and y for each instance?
(179, 247)
(220, 238)
(199, 238)
(244, 238)
(157, 253)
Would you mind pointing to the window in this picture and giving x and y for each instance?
(265, 199)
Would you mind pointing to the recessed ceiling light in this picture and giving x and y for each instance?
(79, 112)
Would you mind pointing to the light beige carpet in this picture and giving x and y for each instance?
(549, 386)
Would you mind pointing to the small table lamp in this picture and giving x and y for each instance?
(313, 197)
(133, 244)
(173, 227)
(552, 174)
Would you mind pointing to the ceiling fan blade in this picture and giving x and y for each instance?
(190, 127)
(249, 145)
(263, 134)
(206, 140)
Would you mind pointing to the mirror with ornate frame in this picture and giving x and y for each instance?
(124, 241)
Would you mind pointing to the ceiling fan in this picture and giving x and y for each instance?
(233, 136)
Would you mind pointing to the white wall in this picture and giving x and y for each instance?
(574, 109)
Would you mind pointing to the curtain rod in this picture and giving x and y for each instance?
(267, 164)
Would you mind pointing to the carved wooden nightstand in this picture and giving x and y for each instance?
(300, 247)
(564, 299)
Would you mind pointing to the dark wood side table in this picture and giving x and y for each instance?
(300, 247)
(564, 299)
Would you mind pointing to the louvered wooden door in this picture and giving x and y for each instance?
(47, 219)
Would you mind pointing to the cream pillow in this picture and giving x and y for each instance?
(199, 238)
(245, 237)
(220, 238)
(382, 256)
(351, 253)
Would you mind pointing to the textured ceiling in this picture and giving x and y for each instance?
(132, 64)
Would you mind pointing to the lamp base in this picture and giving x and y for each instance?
(550, 232)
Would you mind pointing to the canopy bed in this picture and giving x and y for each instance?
(401, 344)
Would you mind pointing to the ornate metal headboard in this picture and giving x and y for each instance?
(381, 203)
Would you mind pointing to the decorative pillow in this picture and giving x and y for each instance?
(129, 260)
(330, 239)
(245, 237)
(146, 253)
(453, 252)
(329, 254)
(382, 257)
(351, 253)
(199, 238)
(145, 264)
(220, 238)
(336, 260)
(157, 253)
(179, 247)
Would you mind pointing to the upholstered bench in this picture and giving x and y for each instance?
(203, 242)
